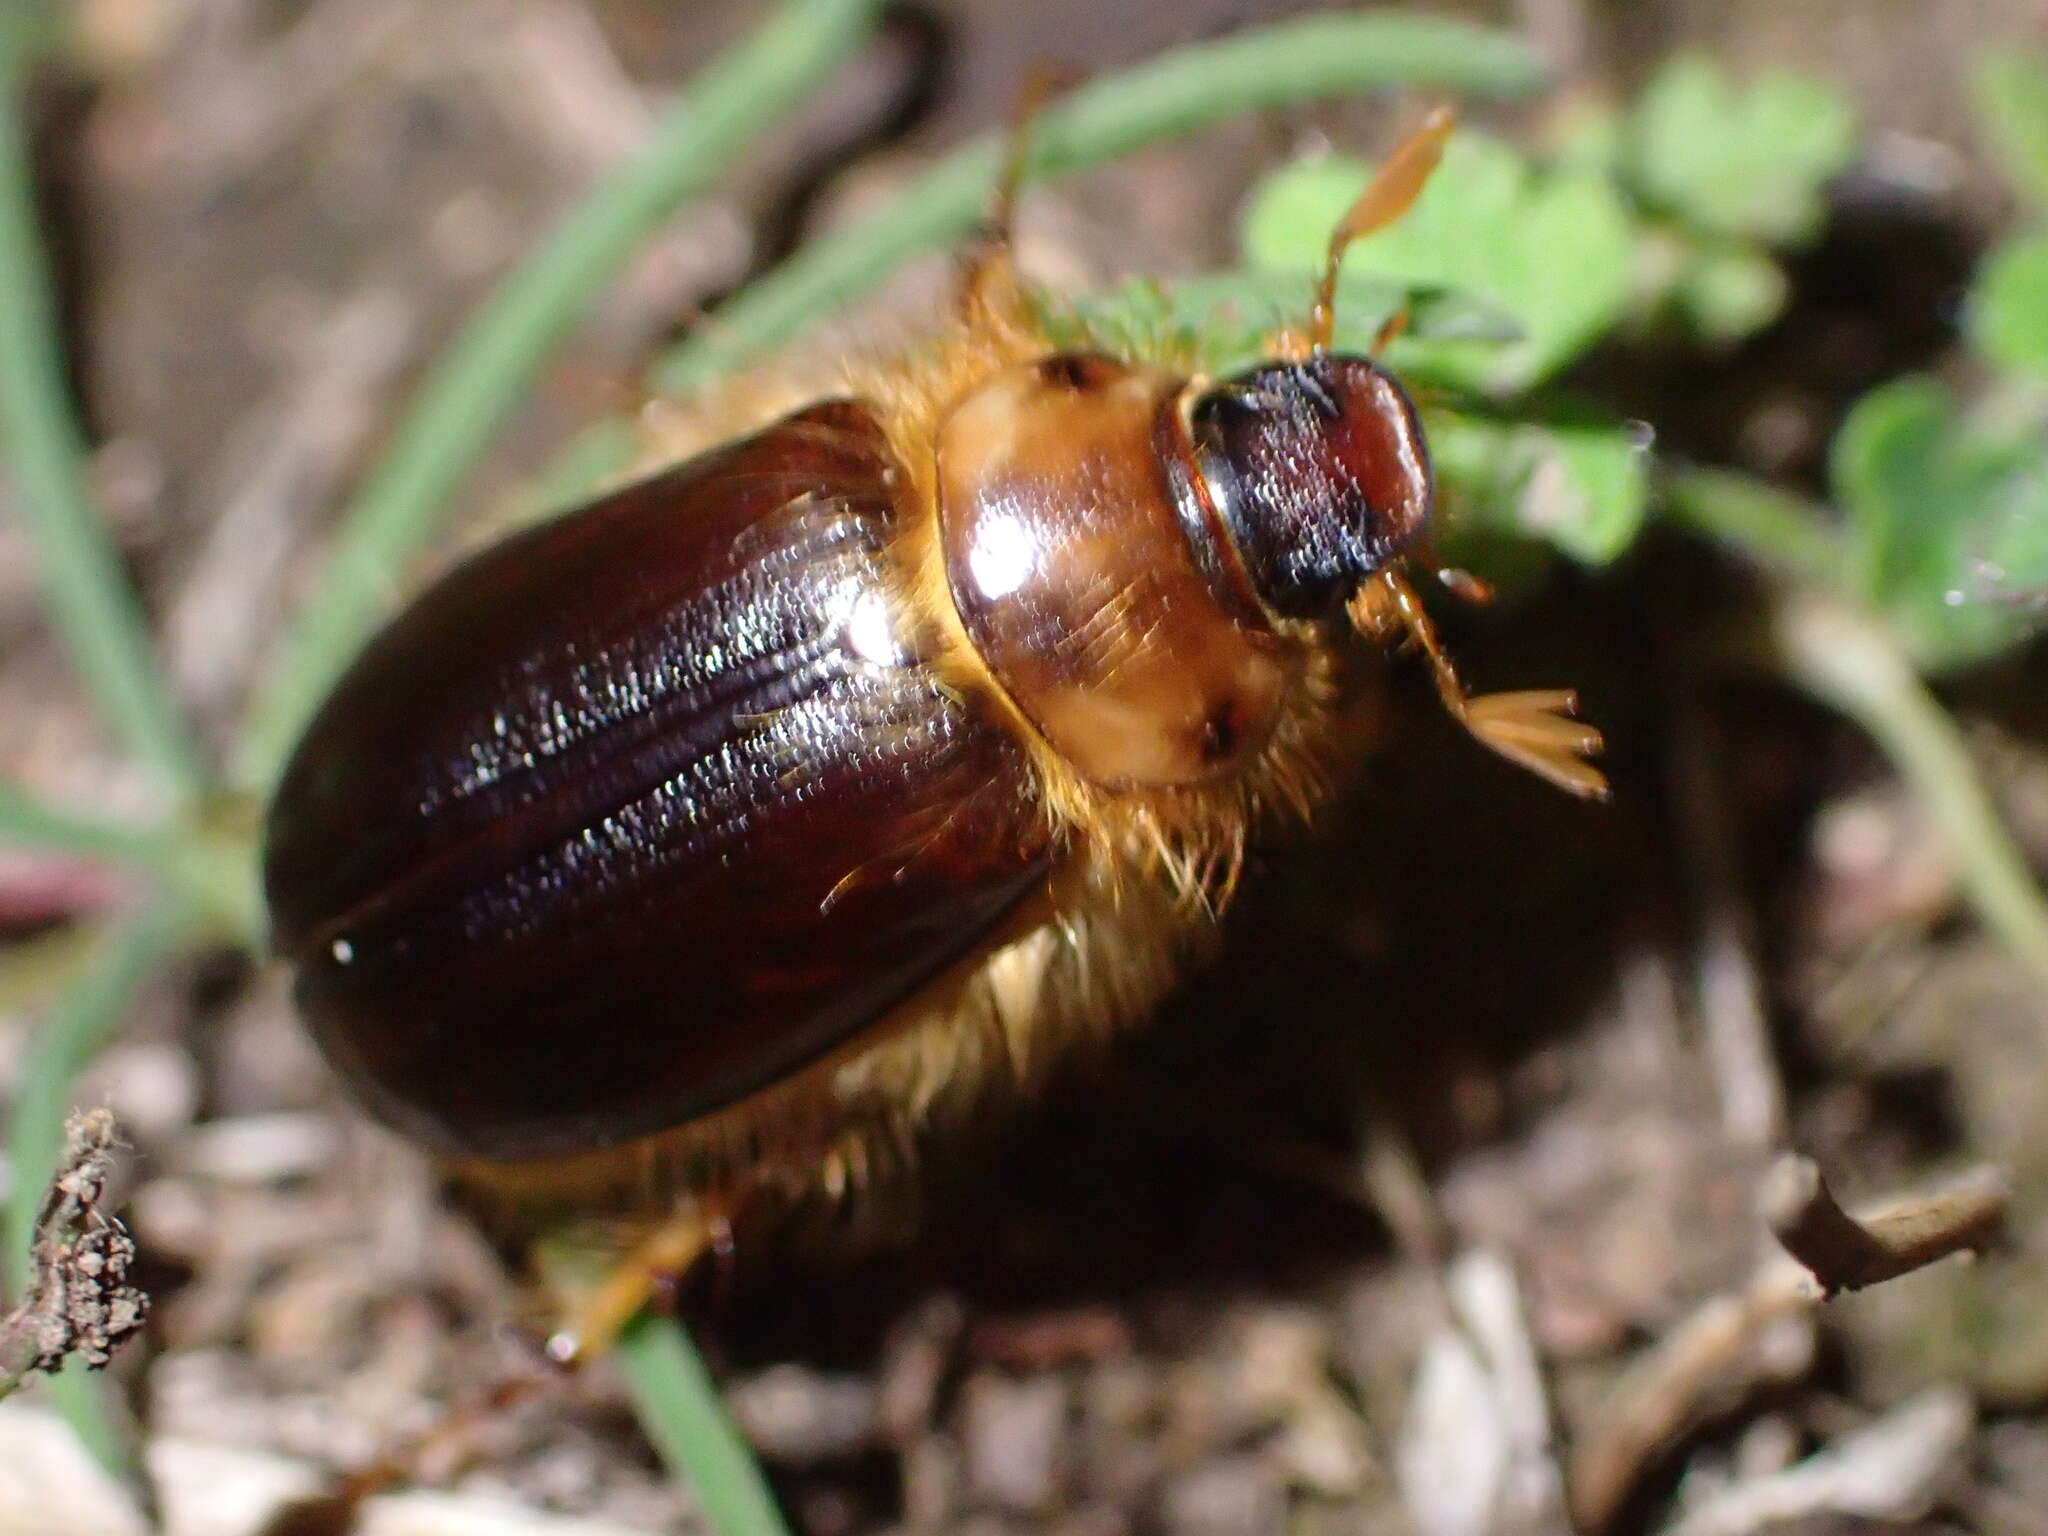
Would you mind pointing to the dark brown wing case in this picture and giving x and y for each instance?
(642, 809)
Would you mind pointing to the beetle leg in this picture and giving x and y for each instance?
(1392, 328)
(591, 1322)
(452, 1441)
(990, 289)
(596, 1315)
(989, 285)
(1473, 589)
(1532, 728)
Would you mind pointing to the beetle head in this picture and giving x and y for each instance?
(1318, 470)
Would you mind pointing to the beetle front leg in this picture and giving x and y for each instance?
(1532, 728)
(990, 289)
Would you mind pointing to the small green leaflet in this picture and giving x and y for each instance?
(1949, 519)
(1551, 250)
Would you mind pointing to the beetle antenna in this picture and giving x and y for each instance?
(1042, 82)
(1391, 193)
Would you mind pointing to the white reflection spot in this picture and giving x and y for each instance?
(1004, 556)
(869, 632)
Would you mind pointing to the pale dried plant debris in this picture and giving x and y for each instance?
(79, 1300)
(1475, 1453)
(1846, 1253)
(1888, 1470)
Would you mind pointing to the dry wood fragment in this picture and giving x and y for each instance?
(1762, 1334)
(79, 1301)
(1846, 1253)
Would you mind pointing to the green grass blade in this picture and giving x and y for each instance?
(83, 1019)
(482, 374)
(34, 968)
(2009, 88)
(1787, 536)
(90, 601)
(91, 1403)
(682, 1413)
(205, 867)
(85, 1016)
(1851, 662)
(1175, 94)
(27, 823)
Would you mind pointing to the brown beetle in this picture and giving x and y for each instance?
(693, 851)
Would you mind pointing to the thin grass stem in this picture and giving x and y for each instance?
(1851, 662)
(680, 1408)
(91, 602)
(1172, 95)
(485, 371)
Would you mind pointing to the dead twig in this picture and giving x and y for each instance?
(1846, 1253)
(79, 1301)
(1762, 1335)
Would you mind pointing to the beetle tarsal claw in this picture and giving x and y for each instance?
(1535, 728)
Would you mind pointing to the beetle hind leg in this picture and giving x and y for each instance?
(598, 1302)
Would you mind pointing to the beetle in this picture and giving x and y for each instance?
(691, 853)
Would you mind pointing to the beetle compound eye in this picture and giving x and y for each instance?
(1319, 472)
